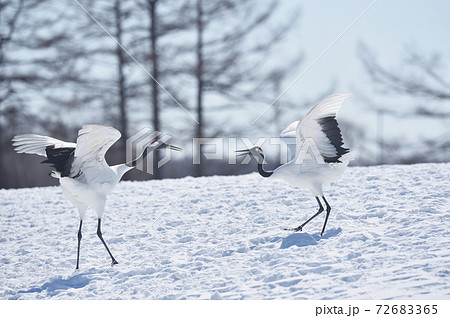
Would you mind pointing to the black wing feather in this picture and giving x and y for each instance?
(60, 158)
(331, 129)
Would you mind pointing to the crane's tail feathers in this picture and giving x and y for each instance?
(346, 158)
(56, 174)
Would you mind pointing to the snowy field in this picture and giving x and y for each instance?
(222, 238)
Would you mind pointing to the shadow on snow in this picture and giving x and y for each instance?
(305, 239)
(59, 283)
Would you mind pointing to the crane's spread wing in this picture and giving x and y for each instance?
(37, 144)
(288, 136)
(321, 126)
(92, 144)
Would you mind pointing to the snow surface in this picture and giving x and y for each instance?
(223, 238)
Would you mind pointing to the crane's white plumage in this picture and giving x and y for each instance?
(321, 127)
(89, 178)
(289, 137)
(92, 144)
(310, 127)
(36, 144)
(89, 159)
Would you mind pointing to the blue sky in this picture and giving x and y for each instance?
(387, 27)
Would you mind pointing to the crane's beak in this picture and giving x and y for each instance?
(243, 152)
(163, 145)
(172, 147)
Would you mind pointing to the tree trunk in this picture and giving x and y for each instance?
(199, 74)
(153, 82)
(123, 121)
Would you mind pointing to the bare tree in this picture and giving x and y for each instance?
(421, 80)
(230, 51)
(50, 74)
(33, 70)
(423, 76)
(59, 69)
(154, 42)
(109, 86)
(120, 54)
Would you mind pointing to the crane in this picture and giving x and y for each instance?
(84, 175)
(317, 157)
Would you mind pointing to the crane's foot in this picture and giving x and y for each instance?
(296, 229)
(114, 262)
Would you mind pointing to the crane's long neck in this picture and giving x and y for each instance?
(261, 170)
(125, 167)
(139, 159)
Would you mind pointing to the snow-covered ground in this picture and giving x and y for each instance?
(223, 238)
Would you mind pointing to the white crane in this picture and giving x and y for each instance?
(319, 136)
(85, 176)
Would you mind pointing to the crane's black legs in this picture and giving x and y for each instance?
(99, 234)
(79, 241)
(299, 228)
(326, 217)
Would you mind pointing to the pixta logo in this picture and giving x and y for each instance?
(148, 139)
(287, 149)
